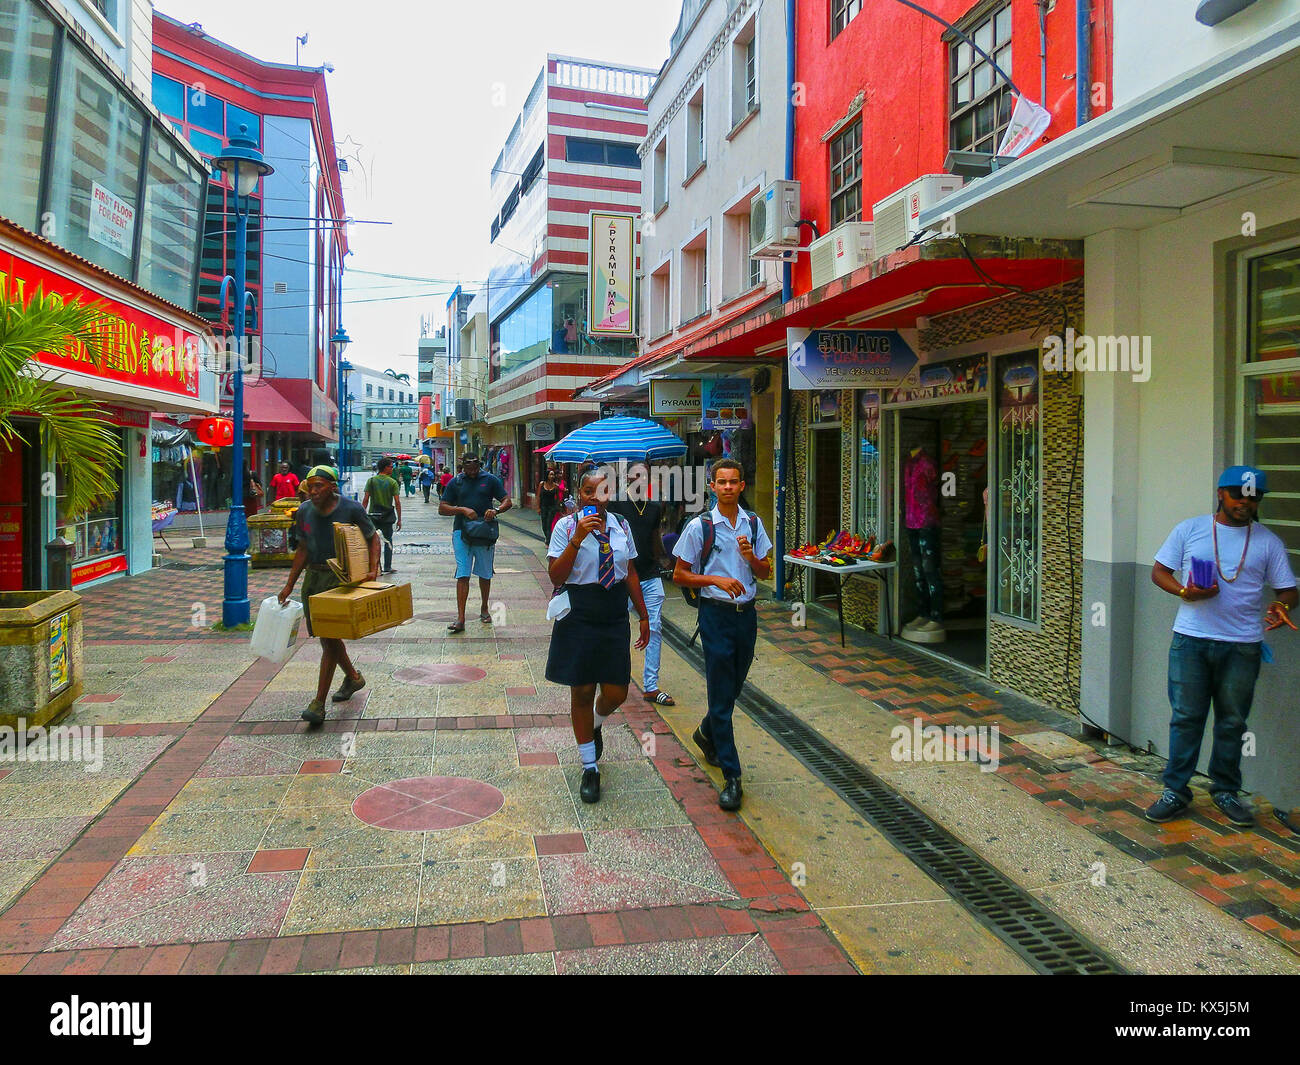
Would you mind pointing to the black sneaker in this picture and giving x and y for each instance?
(731, 794)
(706, 745)
(590, 790)
(598, 741)
(1233, 808)
(1167, 807)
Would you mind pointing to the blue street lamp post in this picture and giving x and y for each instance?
(242, 164)
(339, 342)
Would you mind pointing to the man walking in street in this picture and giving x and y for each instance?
(645, 518)
(473, 497)
(1227, 559)
(722, 559)
(312, 534)
(284, 485)
(383, 502)
(426, 480)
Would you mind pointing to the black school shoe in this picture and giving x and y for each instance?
(706, 745)
(590, 790)
(1167, 807)
(731, 794)
(1233, 809)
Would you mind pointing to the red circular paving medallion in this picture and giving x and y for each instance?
(427, 804)
(439, 674)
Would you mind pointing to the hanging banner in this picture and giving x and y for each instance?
(1028, 122)
(611, 267)
(675, 398)
(847, 358)
(726, 403)
(959, 377)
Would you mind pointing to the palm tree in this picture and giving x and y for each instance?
(73, 432)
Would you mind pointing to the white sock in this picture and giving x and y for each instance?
(587, 752)
(600, 718)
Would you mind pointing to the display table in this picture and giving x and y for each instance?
(843, 573)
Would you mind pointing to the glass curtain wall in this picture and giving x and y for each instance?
(26, 52)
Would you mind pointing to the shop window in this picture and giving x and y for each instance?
(846, 175)
(96, 533)
(869, 466)
(979, 101)
(26, 47)
(1271, 389)
(96, 169)
(1016, 496)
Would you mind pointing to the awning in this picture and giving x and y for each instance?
(891, 293)
(266, 411)
(1227, 126)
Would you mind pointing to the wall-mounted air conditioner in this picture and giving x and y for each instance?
(897, 216)
(464, 410)
(774, 221)
(845, 248)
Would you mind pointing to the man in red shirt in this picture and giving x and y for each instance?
(284, 485)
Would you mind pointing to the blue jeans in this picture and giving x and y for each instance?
(1202, 670)
(652, 589)
(728, 636)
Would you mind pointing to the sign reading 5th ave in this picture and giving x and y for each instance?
(847, 358)
(611, 263)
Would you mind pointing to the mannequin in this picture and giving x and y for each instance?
(921, 517)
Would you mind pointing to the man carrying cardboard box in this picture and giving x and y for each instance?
(312, 533)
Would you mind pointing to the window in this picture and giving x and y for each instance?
(96, 168)
(744, 73)
(390, 395)
(534, 169)
(660, 175)
(26, 48)
(846, 175)
(842, 13)
(695, 132)
(237, 116)
(1270, 370)
(740, 273)
(979, 99)
(98, 532)
(370, 391)
(661, 297)
(171, 205)
(204, 110)
(600, 153)
(695, 278)
(869, 494)
(169, 97)
(1016, 503)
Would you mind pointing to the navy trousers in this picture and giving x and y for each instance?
(728, 636)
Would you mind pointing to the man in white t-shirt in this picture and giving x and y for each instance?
(1218, 636)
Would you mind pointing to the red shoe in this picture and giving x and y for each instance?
(883, 553)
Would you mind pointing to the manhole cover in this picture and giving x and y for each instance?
(427, 804)
(439, 674)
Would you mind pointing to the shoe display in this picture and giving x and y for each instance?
(916, 623)
(706, 745)
(349, 688)
(729, 798)
(1167, 807)
(590, 789)
(314, 715)
(883, 552)
(1233, 808)
(599, 741)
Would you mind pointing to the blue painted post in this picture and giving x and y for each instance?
(235, 608)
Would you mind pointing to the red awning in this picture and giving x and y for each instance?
(265, 410)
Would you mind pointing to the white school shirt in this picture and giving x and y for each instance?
(586, 567)
(726, 560)
(1236, 614)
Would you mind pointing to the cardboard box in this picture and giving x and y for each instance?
(351, 561)
(350, 613)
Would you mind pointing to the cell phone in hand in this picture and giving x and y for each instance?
(588, 512)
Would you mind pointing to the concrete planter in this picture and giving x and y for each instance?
(42, 669)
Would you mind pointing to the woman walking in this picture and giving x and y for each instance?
(548, 498)
(590, 554)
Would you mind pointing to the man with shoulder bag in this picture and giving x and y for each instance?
(471, 499)
(383, 502)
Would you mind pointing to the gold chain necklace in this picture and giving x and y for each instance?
(1214, 532)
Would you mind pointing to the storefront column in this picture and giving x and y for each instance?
(1112, 416)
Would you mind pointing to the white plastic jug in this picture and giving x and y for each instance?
(276, 629)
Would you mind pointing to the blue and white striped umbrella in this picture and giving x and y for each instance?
(611, 439)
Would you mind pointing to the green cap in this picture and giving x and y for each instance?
(328, 472)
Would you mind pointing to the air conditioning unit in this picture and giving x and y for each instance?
(897, 216)
(845, 248)
(774, 221)
(464, 410)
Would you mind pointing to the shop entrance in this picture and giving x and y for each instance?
(824, 500)
(21, 550)
(942, 474)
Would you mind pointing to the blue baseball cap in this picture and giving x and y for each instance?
(1250, 479)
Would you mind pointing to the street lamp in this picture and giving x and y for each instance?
(339, 344)
(242, 164)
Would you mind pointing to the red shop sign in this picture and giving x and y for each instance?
(100, 567)
(140, 348)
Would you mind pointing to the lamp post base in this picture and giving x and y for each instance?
(234, 606)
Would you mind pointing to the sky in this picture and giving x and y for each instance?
(423, 96)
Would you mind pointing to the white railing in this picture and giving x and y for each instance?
(597, 78)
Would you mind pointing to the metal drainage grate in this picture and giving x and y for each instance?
(1039, 936)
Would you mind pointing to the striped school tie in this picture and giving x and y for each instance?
(605, 574)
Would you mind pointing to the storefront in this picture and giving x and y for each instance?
(153, 362)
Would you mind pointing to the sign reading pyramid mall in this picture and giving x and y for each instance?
(675, 399)
(611, 266)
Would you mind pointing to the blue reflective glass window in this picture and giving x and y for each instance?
(237, 116)
(206, 144)
(204, 109)
(169, 96)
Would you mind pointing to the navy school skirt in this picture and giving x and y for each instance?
(591, 644)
